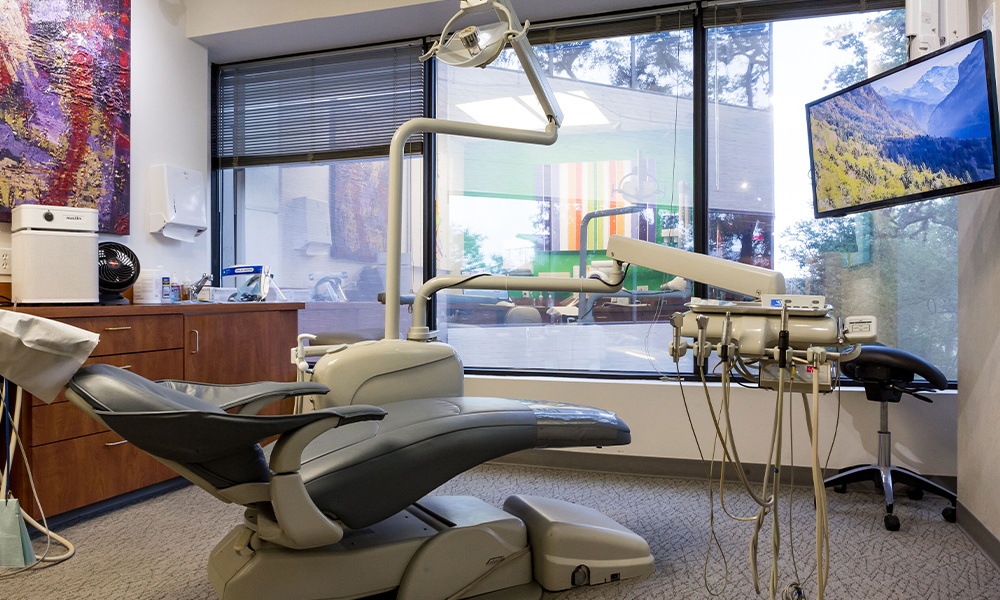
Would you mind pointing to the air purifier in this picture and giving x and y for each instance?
(53, 255)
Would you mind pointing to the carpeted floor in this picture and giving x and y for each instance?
(158, 548)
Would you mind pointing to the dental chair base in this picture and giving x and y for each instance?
(440, 547)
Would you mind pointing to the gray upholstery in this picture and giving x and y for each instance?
(184, 428)
(382, 461)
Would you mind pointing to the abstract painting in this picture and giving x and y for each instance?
(64, 106)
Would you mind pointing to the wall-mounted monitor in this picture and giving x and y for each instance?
(923, 130)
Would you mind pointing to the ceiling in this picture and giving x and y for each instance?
(381, 25)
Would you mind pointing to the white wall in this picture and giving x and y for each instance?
(170, 124)
(979, 350)
(924, 435)
(979, 339)
(235, 30)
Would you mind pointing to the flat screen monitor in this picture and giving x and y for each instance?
(923, 130)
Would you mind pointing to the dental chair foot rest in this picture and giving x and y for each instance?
(572, 545)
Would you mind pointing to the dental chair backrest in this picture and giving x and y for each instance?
(213, 449)
(98, 391)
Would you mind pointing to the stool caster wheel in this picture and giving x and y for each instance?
(949, 514)
(840, 488)
(914, 493)
(891, 522)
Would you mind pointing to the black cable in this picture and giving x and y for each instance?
(610, 285)
(467, 279)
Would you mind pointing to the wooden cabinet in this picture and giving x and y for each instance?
(259, 341)
(74, 460)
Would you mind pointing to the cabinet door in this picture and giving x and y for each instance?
(240, 347)
(83, 470)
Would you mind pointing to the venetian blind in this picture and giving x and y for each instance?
(315, 107)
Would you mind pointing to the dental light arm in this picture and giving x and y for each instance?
(469, 47)
(755, 329)
(737, 277)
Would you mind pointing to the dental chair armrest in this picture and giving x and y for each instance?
(192, 436)
(250, 397)
(286, 455)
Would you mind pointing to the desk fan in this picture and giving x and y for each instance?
(118, 270)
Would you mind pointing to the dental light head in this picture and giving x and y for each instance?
(474, 46)
(479, 45)
(638, 186)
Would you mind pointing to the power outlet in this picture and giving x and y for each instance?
(5, 258)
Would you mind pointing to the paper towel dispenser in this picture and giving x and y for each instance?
(178, 202)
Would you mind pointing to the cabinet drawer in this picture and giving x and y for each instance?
(62, 421)
(138, 333)
(89, 469)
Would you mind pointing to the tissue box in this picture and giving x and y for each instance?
(218, 294)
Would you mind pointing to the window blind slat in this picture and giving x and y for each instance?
(332, 105)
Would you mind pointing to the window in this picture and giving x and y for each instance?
(624, 148)
(689, 128)
(300, 150)
(900, 263)
(516, 210)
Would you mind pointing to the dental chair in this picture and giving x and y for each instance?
(338, 506)
(886, 374)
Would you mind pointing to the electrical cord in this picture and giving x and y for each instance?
(712, 535)
(731, 455)
(687, 408)
(724, 448)
(729, 452)
(50, 536)
(593, 305)
(822, 523)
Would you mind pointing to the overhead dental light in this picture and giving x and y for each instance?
(480, 45)
(471, 46)
(638, 186)
(474, 46)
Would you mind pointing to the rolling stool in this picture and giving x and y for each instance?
(886, 374)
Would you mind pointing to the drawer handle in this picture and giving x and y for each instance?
(123, 328)
(197, 341)
(126, 367)
(118, 443)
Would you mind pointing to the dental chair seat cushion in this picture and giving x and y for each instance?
(370, 471)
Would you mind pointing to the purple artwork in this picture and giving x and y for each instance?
(64, 106)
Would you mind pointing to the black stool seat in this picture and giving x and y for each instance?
(887, 373)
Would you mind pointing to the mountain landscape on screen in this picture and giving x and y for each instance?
(903, 135)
